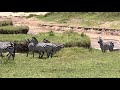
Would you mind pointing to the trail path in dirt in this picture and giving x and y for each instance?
(34, 28)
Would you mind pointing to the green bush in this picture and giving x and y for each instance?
(68, 39)
(6, 23)
(74, 39)
(51, 33)
(31, 15)
(14, 30)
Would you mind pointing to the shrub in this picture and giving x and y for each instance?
(14, 30)
(74, 39)
(51, 33)
(82, 34)
(70, 32)
(31, 15)
(6, 23)
(47, 14)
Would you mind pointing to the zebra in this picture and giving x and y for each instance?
(31, 47)
(106, 45)
(49, 48)
(7, 47)
(56, 47)
(42, 48)
(34, 46)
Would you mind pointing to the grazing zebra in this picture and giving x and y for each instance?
(7, 47)
(106, 45)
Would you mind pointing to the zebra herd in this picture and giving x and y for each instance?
(44, 47)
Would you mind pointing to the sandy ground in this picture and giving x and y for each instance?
(34, 29)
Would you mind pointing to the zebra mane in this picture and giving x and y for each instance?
(35, 39)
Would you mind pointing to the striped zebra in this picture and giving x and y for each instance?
(40, 47)
(105, 45)
(43, 48)
(50, 48)
(7, 47)
(31, 47)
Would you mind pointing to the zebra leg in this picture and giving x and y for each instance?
(27, 53)
(7, 54)
(13, 55)
(48, 55)
(104, 51)
(42, 54)
(9, 57)
(39, 55)
(51, 55)
(33, 53)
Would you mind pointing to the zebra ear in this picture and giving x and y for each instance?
(11, 43)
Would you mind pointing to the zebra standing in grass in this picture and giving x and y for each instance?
(7, 47)
(105, 45)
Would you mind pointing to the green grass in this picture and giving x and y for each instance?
(68, 63)
(6, 23)
(68, 38)
(14, 29)
(83, 19)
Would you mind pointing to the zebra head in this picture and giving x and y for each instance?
(34, 40)
(100, 41)
(111, 43)
(60, 46)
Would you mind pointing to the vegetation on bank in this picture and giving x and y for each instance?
(69, 39)
(14, 30)
(6, 23)
(84, 19)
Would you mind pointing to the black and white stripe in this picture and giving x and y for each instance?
(42, 48)
(106, 45)
(7, 47)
